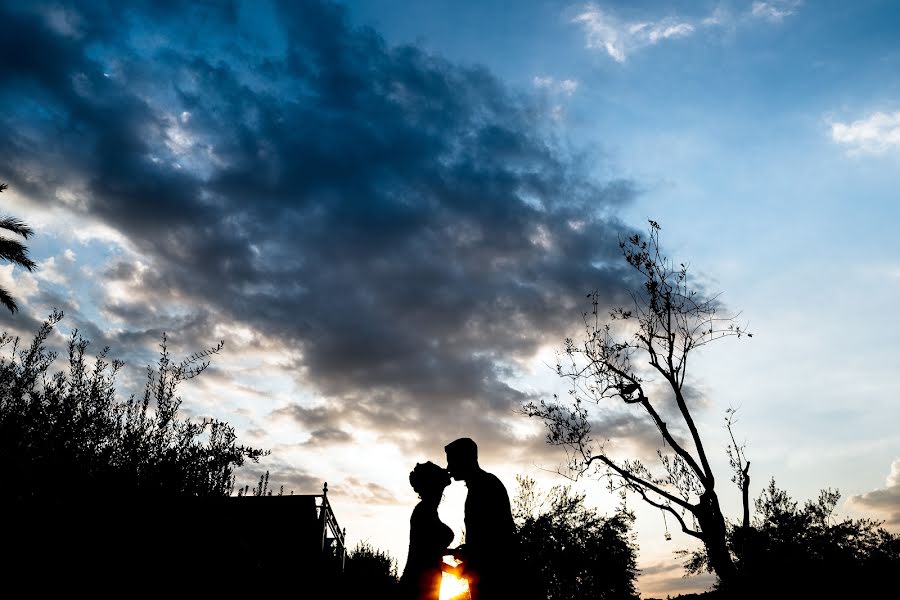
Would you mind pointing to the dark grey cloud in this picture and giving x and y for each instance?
(410, 225)
(323, 424)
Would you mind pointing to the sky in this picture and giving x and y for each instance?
(392, 212)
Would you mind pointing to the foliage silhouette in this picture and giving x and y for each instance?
(102, 482)
(621, 360)
(368, 573)
(68, 430)
(14, 251)
(261, 489)
(569, 550)
(808, 551)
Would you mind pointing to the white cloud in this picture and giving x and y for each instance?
(565, 86)
(18, 282)
(568, 86)
(603, 32)
(876, 134)
(885, 502)
(662, 31)
(774, 11)
(49, 271)
(618, 39)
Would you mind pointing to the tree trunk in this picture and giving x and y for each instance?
(712, 524)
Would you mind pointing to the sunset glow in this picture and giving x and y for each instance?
(454, 588)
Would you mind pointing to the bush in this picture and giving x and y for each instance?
(103, 488)
(369, 573)
(67, 432)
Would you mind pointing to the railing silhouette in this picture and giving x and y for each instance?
(334, 545)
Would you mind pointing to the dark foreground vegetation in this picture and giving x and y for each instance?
(67, 433)
(110, 490)
(806, 551)
(103, 491)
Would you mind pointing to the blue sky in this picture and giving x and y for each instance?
(370, 202)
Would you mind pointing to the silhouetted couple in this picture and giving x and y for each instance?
(490, 532)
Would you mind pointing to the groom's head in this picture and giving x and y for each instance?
(462, 458)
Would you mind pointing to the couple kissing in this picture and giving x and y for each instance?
(490, 531)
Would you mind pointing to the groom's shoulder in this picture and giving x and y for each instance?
(492, 481)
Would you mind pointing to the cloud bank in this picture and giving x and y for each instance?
(399, 229)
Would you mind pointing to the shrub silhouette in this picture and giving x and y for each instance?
(368, 573)
(68, 431)
(100, 488)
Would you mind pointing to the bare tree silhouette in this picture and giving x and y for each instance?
(623, 359)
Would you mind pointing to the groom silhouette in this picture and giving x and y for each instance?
(490, 530)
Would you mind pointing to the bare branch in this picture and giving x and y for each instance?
(638, 481)
(672, 511)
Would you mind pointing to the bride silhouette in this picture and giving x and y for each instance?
(429, 537)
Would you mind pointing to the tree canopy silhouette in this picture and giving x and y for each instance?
(13, 251)
(569, 550)
(639, 356)
(809, 551)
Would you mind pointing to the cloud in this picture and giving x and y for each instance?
(292, 479)
(667, 577)
(619, 38)
(876, 134)
(884, 502)
(395, 224)
(565, 86)
(19, 282)
(774, 11)
(554, 89)
(366, 492)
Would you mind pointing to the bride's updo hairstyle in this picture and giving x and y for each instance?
(428, 479)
